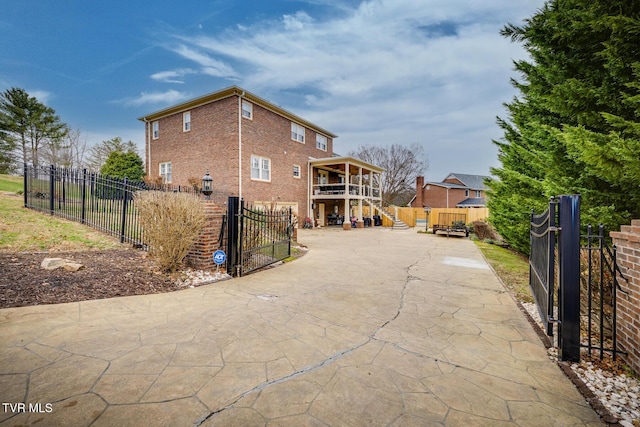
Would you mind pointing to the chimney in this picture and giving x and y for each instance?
(419, 202)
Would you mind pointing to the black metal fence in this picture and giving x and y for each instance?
(102, 202)
(257, 237)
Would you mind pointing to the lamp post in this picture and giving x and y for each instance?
(427, 211)
(207, 186)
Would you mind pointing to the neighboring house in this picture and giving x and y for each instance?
(258, 151)
(457, 190)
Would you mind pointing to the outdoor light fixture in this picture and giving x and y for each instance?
(207, 185)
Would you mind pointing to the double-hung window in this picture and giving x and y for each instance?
(260, 168)
(186, 121)
(247, 110)
(165, 172)
(297, 132)
(296, 171)
(155, 126)
(321, 142)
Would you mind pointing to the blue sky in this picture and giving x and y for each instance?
(378, 72)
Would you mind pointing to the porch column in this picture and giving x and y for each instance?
(347, 179)
(347, 210)
(360, 187)
(360, 210)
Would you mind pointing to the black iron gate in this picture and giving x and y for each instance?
(589, 270)
(256, 237)
(599, 274)
(545, 236)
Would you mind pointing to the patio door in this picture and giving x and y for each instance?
(321, 214)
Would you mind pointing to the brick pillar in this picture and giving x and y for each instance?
(419, 202)
(627, 241)
(200, 255)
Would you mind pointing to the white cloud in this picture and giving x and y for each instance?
(173, 76)
(42, 96)
(209, 65)
(167, 97)
(383, 71)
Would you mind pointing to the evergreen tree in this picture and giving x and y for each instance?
(99, 153)
(123, 165)
(574, 126)
(7, 156)
(28, 123)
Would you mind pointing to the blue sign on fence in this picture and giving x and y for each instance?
(219, 257)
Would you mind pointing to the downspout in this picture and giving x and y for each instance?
(240, 145)
(148, 143)
(309, 206)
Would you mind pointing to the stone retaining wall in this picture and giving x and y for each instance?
(627, 241)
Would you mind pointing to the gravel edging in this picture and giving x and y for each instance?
(605, 415)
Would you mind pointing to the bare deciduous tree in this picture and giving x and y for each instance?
(402, 165)
(68, 152)
(99, 153)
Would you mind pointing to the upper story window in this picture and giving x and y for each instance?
(260, 168)
(297, 132)
(155, 126)
(186, 121)
(165, 172)
(478, 194)
(247, 110)
(296, 171)
(321, 142)
(466, 193)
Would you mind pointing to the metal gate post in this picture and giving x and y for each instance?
(232, 234)
(569, 288)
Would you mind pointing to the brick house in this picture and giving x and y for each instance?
(455, 191)
(258, 151)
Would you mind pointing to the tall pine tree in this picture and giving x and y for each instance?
(574, 127)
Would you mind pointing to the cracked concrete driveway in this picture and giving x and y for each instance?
(372, 327)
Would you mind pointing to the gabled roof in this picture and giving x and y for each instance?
(471, 202)
(226, 93)
(473, 182)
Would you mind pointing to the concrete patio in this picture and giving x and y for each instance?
(371, 327)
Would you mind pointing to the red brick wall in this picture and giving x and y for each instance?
(201, 254)
(627, 241)
(436, 197)
(212, 143)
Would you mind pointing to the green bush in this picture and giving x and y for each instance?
(171, 223)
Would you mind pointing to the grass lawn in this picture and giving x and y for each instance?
(10, 183)
(511, 267)
(25, 230)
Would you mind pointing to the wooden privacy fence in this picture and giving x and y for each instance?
(415, 217)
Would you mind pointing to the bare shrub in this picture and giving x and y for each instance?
(484, 230)
(171, 223)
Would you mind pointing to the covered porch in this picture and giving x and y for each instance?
(341, 188)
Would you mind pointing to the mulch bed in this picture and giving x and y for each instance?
(106, 274)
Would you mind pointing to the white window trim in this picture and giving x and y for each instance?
(318, 142)
(297, 132)
(261, 168)
(168, 168)
(249, 110)
(299, 171)
(155, 130)
(186, 124)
